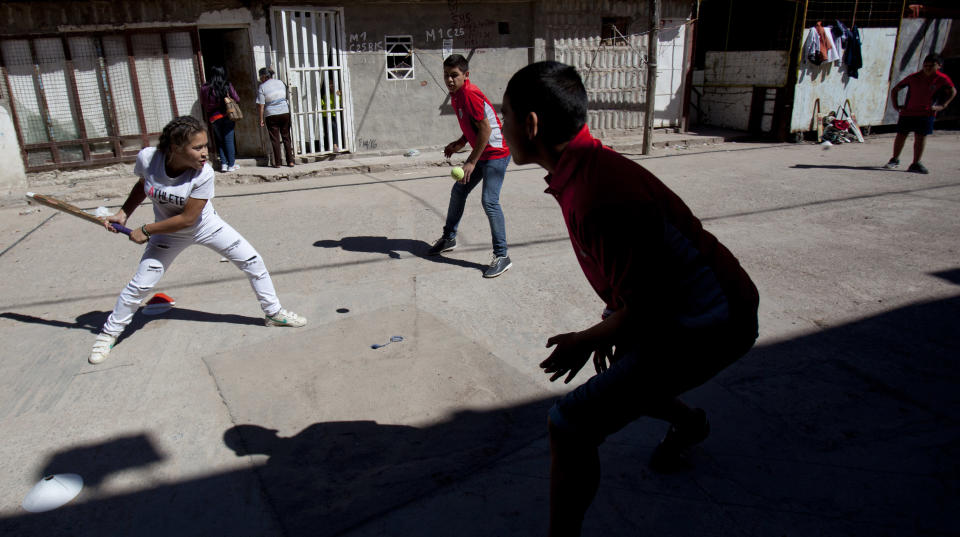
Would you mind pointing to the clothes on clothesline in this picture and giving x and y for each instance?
(834, 44)
(852, 56)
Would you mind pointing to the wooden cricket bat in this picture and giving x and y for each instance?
(74, 210)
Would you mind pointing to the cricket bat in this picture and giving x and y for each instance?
(74, 210)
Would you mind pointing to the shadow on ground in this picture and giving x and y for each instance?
(838, 167)
(93, 320)
(852, 430)
(392, 249)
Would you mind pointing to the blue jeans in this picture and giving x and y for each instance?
(223, 134)
(491, 172)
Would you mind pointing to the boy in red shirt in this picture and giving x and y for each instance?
(920, 108)
(487, 163)
(679, 307)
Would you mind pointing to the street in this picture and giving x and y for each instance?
(843, 420)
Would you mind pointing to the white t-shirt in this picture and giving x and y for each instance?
(273, 94)
(169, 194)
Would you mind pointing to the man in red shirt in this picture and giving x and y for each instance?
(679, 307)
(487, 163)
(928, 92)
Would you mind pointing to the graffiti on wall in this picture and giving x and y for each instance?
(466, 30)
(358, 43)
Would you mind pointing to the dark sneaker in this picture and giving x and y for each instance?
(674, 450)
(892, 163)
(442, 245)
(498, 266)
(916, 167)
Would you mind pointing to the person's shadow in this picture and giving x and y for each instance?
(836, 167)
(93, 320)
(338, 475)
(392, 247)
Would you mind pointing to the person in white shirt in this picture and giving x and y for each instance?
(179, 181)
(275, 115)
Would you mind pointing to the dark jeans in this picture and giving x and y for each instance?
(278, 125)
(663, 366)
(223, 134)
(491, 172)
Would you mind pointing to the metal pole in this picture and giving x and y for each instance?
(651, 75)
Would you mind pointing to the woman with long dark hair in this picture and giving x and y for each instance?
(212, 96)
(177, 179)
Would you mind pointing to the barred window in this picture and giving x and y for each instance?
(399, 50)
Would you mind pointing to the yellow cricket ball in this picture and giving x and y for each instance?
(457, 173)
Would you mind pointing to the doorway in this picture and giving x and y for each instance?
(230, 48)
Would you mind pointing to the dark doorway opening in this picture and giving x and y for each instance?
(230, 48)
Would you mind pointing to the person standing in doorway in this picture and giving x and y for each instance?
(928, 92)
(212, 95)
(487, 163)
(275, 115)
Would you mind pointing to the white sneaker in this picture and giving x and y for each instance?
(101, 348)
(233, 168)
(223, 168)
(286, 318)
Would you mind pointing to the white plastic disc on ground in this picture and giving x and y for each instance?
(52, 492)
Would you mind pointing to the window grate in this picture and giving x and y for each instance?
(399, 51)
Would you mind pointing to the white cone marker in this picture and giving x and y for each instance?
(52, 492)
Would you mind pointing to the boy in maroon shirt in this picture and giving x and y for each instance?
(487, 163)
(924, 90)
(679, 307)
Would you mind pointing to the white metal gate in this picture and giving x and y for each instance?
(309, 47)
(671, 52)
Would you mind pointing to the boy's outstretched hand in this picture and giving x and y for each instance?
(568, 358)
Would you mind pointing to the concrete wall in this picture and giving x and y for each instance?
(498, 37)
(12, 175)
(918, 37)
(727, 81)
(832, 86)
(394, 115)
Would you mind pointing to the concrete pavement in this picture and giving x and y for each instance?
(842, 421)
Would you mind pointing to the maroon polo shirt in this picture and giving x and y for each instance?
(921, 90)
(639, 245)
(470, 104)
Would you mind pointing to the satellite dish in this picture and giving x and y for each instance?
(52, 492)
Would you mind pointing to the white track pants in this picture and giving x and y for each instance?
(163, 249)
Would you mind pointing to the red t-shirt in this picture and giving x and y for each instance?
(920, 92)
(639, 245)
(470, 104)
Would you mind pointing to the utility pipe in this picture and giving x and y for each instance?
(651, 75)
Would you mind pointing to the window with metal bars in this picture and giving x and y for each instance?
(81, 99)
(399, 50)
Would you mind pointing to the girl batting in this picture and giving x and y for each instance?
(177, 178)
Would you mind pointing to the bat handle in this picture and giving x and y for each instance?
(121, 228)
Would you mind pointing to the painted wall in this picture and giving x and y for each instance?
(498, 36)
(12, 176)
(918, 37)
(395, 115)
(830, 84)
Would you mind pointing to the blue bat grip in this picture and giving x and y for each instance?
(122, 229)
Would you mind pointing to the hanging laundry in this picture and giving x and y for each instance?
(825, 44)
(836, 32)
(853, 55)
(811, 48)
(831, 53)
